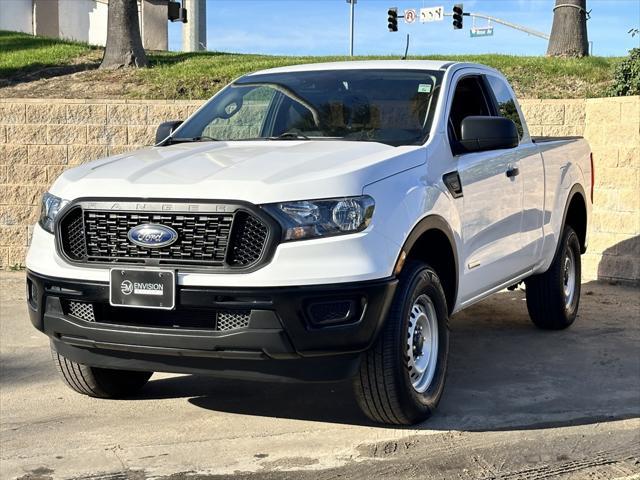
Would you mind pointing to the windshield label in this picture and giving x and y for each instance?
(424, 88)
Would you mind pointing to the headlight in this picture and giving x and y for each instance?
(51, 205)
(323, 218)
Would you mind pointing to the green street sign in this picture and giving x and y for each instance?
(481, 32)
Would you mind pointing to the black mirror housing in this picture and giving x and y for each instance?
(480, 133)
(165, 129)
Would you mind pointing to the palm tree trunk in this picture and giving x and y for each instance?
(569, 30)
(124, 44)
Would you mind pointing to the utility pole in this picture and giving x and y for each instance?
(194, 32)
(352, 4)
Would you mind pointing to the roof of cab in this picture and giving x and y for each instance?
(365, 65)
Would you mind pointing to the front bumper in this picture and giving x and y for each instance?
(282, 340)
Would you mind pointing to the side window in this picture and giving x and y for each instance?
(243, 118)
(468, 100)
(506, 103)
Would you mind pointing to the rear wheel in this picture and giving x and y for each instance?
(401, 379)
(99, 382)
(553, 297)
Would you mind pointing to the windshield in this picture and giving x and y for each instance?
(389, 106)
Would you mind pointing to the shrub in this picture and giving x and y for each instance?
(626, 79)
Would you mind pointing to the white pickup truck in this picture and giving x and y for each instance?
(316, 223)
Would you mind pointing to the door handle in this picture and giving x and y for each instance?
(513, 172)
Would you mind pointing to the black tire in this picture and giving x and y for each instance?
(383, 386)
(548, 305)
(99, 382)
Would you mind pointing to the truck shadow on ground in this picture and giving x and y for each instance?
(504, 373)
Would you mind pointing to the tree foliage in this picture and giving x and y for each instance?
(626, 80)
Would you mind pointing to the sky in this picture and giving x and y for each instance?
(321, 27)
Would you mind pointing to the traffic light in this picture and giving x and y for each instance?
(393, 19)
(175, 13)
(457, 16)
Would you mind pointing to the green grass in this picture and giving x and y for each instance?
(175, 75)
(199, 75)
(22, 54)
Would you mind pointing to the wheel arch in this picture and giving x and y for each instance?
(575, 214)
(432, 241)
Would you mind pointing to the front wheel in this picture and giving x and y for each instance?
(553, 296)
(401, 378)
(99, 382)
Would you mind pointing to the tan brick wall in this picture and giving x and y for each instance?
(40, 138)
(612, 127)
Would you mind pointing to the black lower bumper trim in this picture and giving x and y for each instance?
(179, 352)
(316, 369)
(281, 341)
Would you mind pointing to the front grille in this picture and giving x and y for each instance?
(227, 240)
(82, 310)
(232, 320)
(202, 238)
(187, 318)
(249, 235)
(73, 241)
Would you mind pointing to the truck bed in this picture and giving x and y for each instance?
(542, 139)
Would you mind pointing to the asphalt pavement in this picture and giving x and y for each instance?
(519, 404)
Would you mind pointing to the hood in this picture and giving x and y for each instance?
(253, 171)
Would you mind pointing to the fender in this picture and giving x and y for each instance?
(577, 189)
(549, 251)
(434, 222)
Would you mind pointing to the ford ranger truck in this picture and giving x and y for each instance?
(313, 223)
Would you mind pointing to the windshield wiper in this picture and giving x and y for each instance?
(291, 135)
(203, 138)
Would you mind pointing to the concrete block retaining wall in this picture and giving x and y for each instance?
(39, 139)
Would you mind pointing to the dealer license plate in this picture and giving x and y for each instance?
(142, 288)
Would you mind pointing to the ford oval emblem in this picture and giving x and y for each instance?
(152, 235)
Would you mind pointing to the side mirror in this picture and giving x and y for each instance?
(488, 133)
(165, 129)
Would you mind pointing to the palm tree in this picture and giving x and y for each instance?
(569, 30)
(124, 44)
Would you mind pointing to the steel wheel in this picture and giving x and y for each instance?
(569, 278)
(401, 378)
(422, 343)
